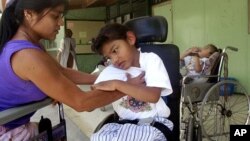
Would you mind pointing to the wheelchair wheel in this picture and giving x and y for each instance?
(222, 107)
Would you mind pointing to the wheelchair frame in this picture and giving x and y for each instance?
(58, 131)
(200, 103)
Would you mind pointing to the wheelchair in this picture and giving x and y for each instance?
(208, 109)
(56, 133)
(149, 30)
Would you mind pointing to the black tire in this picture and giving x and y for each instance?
(190, 129)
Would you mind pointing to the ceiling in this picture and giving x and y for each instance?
(78, 4)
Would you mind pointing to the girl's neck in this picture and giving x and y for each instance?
(23, 34)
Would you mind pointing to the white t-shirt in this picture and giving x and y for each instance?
(190, 65)
(155, 76)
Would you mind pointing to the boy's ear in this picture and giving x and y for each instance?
(131, 38)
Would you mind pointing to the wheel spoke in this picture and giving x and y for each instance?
(217, 116)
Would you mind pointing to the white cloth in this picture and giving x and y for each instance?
(155, 76)
(65, 45)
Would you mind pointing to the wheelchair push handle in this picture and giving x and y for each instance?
(231, 48)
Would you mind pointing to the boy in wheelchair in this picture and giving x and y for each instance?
(142, 112)
(198, 61)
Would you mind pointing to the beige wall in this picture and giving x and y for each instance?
(84, 30)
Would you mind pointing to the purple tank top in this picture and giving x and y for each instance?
(15, 91)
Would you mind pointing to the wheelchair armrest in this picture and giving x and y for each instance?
(17, 112)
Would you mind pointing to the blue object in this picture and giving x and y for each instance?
(165, 99)
(227, 88)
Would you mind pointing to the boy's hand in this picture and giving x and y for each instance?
(193, 51)
(138, 80)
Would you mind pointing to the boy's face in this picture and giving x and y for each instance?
(121, 53)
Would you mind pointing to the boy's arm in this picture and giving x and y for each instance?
(139, 92)
(197, 66)
(188, 52)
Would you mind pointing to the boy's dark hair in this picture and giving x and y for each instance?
(213, 48)
(13, 15)
(109, 32)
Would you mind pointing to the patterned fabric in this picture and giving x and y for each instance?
(134, 105)
(21, 133)
(190, 65)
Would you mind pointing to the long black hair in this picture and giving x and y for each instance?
(13, 15)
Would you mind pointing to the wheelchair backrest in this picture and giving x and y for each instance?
(154, 29)
(215, 67)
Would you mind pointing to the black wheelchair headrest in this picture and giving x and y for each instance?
(149, 29)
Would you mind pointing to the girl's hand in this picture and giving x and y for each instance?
(138, 80)
(105, 85)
